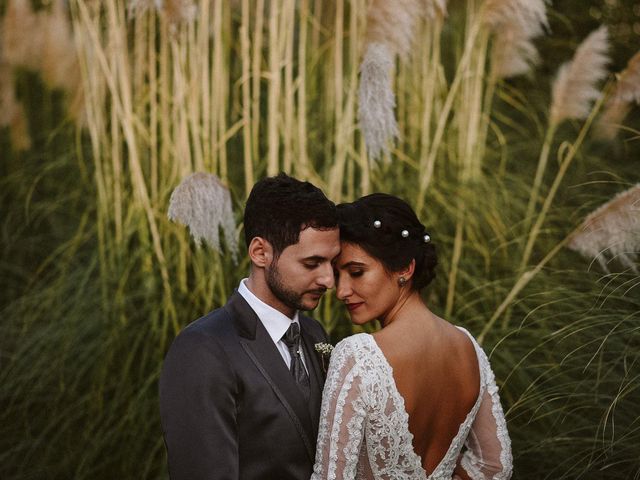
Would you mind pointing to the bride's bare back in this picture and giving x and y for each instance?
(435, 368)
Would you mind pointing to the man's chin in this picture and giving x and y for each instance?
(310, 302)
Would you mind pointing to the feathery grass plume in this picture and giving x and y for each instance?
(529, 15)
(627, 92)
(12, 112)
(515, 24)
(19, 130)
(512, 54)
(176, 11)
(140, 7)
(7, 95)
(376, 99)
(390, 32)
(59, 67)
(614, 227)
(22, 37)
(203, 204)
(393, 22)
(575, 85)
(179, 11)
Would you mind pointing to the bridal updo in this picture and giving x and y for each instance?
(388, 229)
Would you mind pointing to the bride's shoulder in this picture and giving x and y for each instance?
(466, 333)
(481, 355)
(353, 342)
(356, 347)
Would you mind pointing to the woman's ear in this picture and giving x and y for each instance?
(407, 272)
(260, 252)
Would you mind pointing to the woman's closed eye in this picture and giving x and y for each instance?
(356, 273)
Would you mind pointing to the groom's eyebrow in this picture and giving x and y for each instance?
(314, 258)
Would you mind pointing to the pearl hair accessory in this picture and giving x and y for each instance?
(426, 238)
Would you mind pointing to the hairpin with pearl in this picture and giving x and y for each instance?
(426, 238)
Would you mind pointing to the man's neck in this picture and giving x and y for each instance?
(259, 287)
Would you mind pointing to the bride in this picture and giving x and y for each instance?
(417, 399)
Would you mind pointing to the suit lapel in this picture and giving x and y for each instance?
(259, 346)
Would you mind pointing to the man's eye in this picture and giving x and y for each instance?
(310, 266)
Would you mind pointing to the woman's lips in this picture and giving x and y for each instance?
(353, 306)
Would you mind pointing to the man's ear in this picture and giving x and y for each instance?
(260, 252)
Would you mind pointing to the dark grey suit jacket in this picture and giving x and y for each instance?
(229, 406)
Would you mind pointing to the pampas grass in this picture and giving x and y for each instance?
(394, 22)
(391, 29)
(612, 230)
(12, 112)
(59, 65)
(515, 24)
(576, 85)
(625, 94)
(203, 204)
(43, 42)
(376, 100)
(176, 11)
(22, 35)
(573, 91)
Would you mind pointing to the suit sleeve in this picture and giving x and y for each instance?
(198, 409)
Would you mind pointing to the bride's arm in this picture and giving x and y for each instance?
(342, 417)
(488, 447)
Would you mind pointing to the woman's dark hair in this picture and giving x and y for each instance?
(280, 207)
(385, 242)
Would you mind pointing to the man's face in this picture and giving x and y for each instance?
(303, 272)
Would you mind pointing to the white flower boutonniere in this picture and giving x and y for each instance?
(324, 350)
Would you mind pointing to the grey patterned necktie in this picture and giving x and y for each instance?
(291, 339)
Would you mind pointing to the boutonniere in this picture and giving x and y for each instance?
(324, 350)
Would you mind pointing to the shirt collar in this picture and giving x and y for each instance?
(276, 322)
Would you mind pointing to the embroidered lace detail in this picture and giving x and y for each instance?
(364, 428)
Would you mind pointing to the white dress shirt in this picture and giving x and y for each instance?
(276, 322)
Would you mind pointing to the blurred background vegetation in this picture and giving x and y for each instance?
(106, 106)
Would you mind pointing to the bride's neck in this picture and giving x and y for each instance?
(406, 306)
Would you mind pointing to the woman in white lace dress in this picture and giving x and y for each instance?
(417, 399)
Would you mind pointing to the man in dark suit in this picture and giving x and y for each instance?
(241, 387)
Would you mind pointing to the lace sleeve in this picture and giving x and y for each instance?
(488, 447)
(342, 417)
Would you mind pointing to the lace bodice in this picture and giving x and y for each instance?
(364, 428)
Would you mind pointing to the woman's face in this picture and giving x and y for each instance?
(363, 284)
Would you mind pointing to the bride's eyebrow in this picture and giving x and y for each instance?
(352, 263)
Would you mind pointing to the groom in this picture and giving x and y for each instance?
(240, 388)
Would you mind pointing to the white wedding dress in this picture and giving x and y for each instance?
(364, 427)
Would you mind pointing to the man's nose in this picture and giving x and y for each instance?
(343, 288)
(326, 276)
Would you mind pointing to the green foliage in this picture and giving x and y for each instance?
(87, 316)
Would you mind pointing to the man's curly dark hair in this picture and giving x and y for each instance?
(280, 207)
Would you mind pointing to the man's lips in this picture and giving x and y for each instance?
(352, 306)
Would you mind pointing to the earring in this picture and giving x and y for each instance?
(402, 282)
